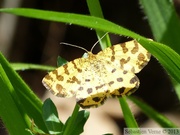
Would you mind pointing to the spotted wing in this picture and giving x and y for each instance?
(129, 56)
(103, 81)
(63, 81)
(110, 73)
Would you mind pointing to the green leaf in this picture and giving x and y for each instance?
(9, 112)
(82, 20)
(75, 123)
(151, 113)
(61, 61)
(95, 10)
(51, 119)
(27, 102)
(128, 116)
(34, 130)
(78, 125)
(69, 125)
(166, 56)
(27, 66)
(164, 21)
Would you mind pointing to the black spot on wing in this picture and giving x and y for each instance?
(89, 90)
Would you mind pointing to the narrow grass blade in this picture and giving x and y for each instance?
(26, 100)
(69, 125)
(164, 22)
(27, 66)
(95, 10)
(9, 112)
(78, 125)
(151, 113)
(128, 116)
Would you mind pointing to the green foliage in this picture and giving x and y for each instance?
(8, 105)
(79, 119)
(128, 116)
(16, 96)
(27, 66)
(61, 61)
(50, 117)
(164, 22)
(151, 113)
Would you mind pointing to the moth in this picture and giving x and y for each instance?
(109, 73)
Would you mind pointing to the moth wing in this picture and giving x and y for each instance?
(130, 56)
(104, 81)
(63, 81)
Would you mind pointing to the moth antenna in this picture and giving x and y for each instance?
(98, 41)
(74, 46)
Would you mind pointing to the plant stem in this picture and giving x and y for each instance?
(72, 120)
